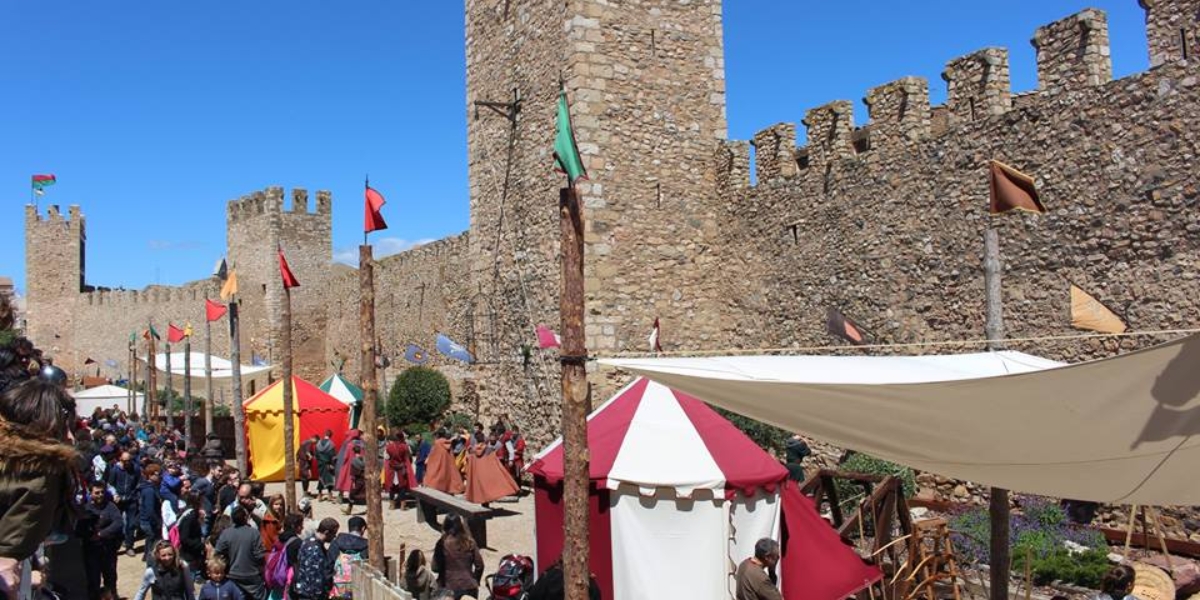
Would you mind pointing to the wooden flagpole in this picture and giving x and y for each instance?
(573, 356)
(998, 507)
(187, 391)
(239, 411)
(289, 413)
(208, 382)
(151, 383)
(132, 383)
(169, 391)
(367, 422)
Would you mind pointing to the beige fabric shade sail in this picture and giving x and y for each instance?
(1118, 430)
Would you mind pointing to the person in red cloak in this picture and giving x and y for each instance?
(440, 472)
(398, 477)
(345, 480)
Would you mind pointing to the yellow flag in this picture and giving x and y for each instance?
(187, 329)
(1088, 313)
(230, 288)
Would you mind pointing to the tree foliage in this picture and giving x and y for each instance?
(419, 395)
(770, 438)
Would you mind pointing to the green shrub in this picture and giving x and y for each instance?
(456, 420)
(850, 493)
(1085, 569)
(419, 395)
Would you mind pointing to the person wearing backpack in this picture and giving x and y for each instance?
(347, 547)
(282, 557)
(312, 579)
(187, 534)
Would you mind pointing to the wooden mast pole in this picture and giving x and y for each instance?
(239, 411)
(289, 412)
(367, 422)
(208, 381)
(575, 400)
(998, 507)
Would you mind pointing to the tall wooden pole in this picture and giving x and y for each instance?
(366, 423)
(169, 393)
(151, 378)
(239, 411)
(187, 390)
(573, 356)
(132, 378)
(208, 383)
(289, 426)
(998, 499)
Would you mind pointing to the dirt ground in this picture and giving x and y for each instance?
(507, 534)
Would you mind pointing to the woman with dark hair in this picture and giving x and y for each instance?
(418, 580)
(191, 538)
(457, 560)
(1117, 584)
(37, 478)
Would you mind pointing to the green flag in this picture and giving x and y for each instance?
(566, 152)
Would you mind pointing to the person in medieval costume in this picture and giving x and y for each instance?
(306, 461)
(356, 466)
(353, 441)
(440, 472)
(487, 479)
(398, 475)
(326, 452)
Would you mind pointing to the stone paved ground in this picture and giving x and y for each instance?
(507, 534)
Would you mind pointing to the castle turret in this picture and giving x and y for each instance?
(54, 275)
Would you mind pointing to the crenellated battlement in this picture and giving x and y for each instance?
(270, 201)
(1073, 55)
(194, 291)
(53, 215)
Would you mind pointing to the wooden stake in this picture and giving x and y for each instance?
(239, 411)
(1162, 538)
(289, 412)
(1133, 511)
(367, 421)
(998, 508)
(208, 382)
(573, 356)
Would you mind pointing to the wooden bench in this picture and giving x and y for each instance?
(430, 502)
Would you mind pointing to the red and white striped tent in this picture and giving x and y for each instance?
(679, 497)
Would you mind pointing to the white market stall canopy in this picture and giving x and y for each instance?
(1118, 430)
(221, 368)
(105, 396)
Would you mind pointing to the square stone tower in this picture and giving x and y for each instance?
(54, 272)
(645, 81)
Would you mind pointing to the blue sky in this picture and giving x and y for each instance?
(153, 114)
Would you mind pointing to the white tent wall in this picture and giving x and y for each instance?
(667, 547)
(106, 396)
(750, 519)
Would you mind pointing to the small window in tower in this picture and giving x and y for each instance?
(264, 288)
(1183, 43)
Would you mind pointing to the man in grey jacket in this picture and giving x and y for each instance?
(242, 548)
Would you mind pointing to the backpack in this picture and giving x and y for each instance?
(278, 569)
(343, 574)
(173, 531)
(512, 578)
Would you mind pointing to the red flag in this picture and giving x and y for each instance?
(372, 218)
(174, 334)
(214, 310)
(547, 338)
(289, 280)
(654, 333)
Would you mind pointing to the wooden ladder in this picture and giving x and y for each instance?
(931, 554)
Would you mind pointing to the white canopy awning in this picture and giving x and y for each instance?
(105, 396)
(222, 368)
(1117, 430)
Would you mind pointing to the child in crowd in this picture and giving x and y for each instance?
(168, 578)
(217, 587)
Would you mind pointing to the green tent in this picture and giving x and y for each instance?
(338, 387)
